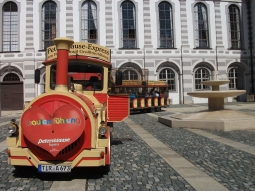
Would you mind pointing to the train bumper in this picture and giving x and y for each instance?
(87, 158)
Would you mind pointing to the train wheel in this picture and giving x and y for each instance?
(152, 109)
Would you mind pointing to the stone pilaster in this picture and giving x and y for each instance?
(69, 19)
(218, 25)
(29, 26)
(147, 24)
(184, 24)
(109, 23)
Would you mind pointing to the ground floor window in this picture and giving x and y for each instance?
(201, 74)
(168, 75)
(235, 78)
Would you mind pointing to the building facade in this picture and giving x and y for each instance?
(178, 41)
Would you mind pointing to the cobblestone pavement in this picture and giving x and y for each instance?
(11, 179)
(3, 132)
(244, 137)
(135, 166)
(232, 168)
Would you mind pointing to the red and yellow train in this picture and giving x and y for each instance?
(68, 126)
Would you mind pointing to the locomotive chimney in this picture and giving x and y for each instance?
(63, 45)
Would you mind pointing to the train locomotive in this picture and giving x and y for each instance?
(68, 126)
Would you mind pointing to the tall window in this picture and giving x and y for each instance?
(128, 25)
(201, 74)
(201, 26)
(130, 75)
(49, 20)
(235, 78)
(10, 27)
(234, 27)
(168, 75)
(165, 25)
(89, 22)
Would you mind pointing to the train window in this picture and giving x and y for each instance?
(90, 76)
(53, 77)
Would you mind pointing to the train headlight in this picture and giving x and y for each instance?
(12, 128)
(102, 131)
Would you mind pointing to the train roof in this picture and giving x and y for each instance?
(139, 83)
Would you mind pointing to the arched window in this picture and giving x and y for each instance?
(11, 77)
(10, 27)
(201, 26)
(130, 75)
(168, 75)
(89, 22)
(166, 35)
(201, 74)
(235, 78)
(234, 27)
(128, 25)
(49, 20)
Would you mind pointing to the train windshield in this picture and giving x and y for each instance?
(90, 76)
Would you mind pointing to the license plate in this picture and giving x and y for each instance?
(54, 168)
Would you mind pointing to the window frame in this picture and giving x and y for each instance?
(203, 87)
(121, 43)
(229, 27)
(96, 41)
(171, 20)
(237, 86)
(174, 78)
(42, 48)
(18, 25)
(208, 26)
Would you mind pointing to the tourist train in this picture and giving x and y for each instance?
(68, 126)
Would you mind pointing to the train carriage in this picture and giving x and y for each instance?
(142, 97)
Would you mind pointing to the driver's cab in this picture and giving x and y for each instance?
(84, 76)
(89, 76)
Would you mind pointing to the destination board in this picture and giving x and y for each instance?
(82, 49)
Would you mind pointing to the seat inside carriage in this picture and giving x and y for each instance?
(94, 83)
